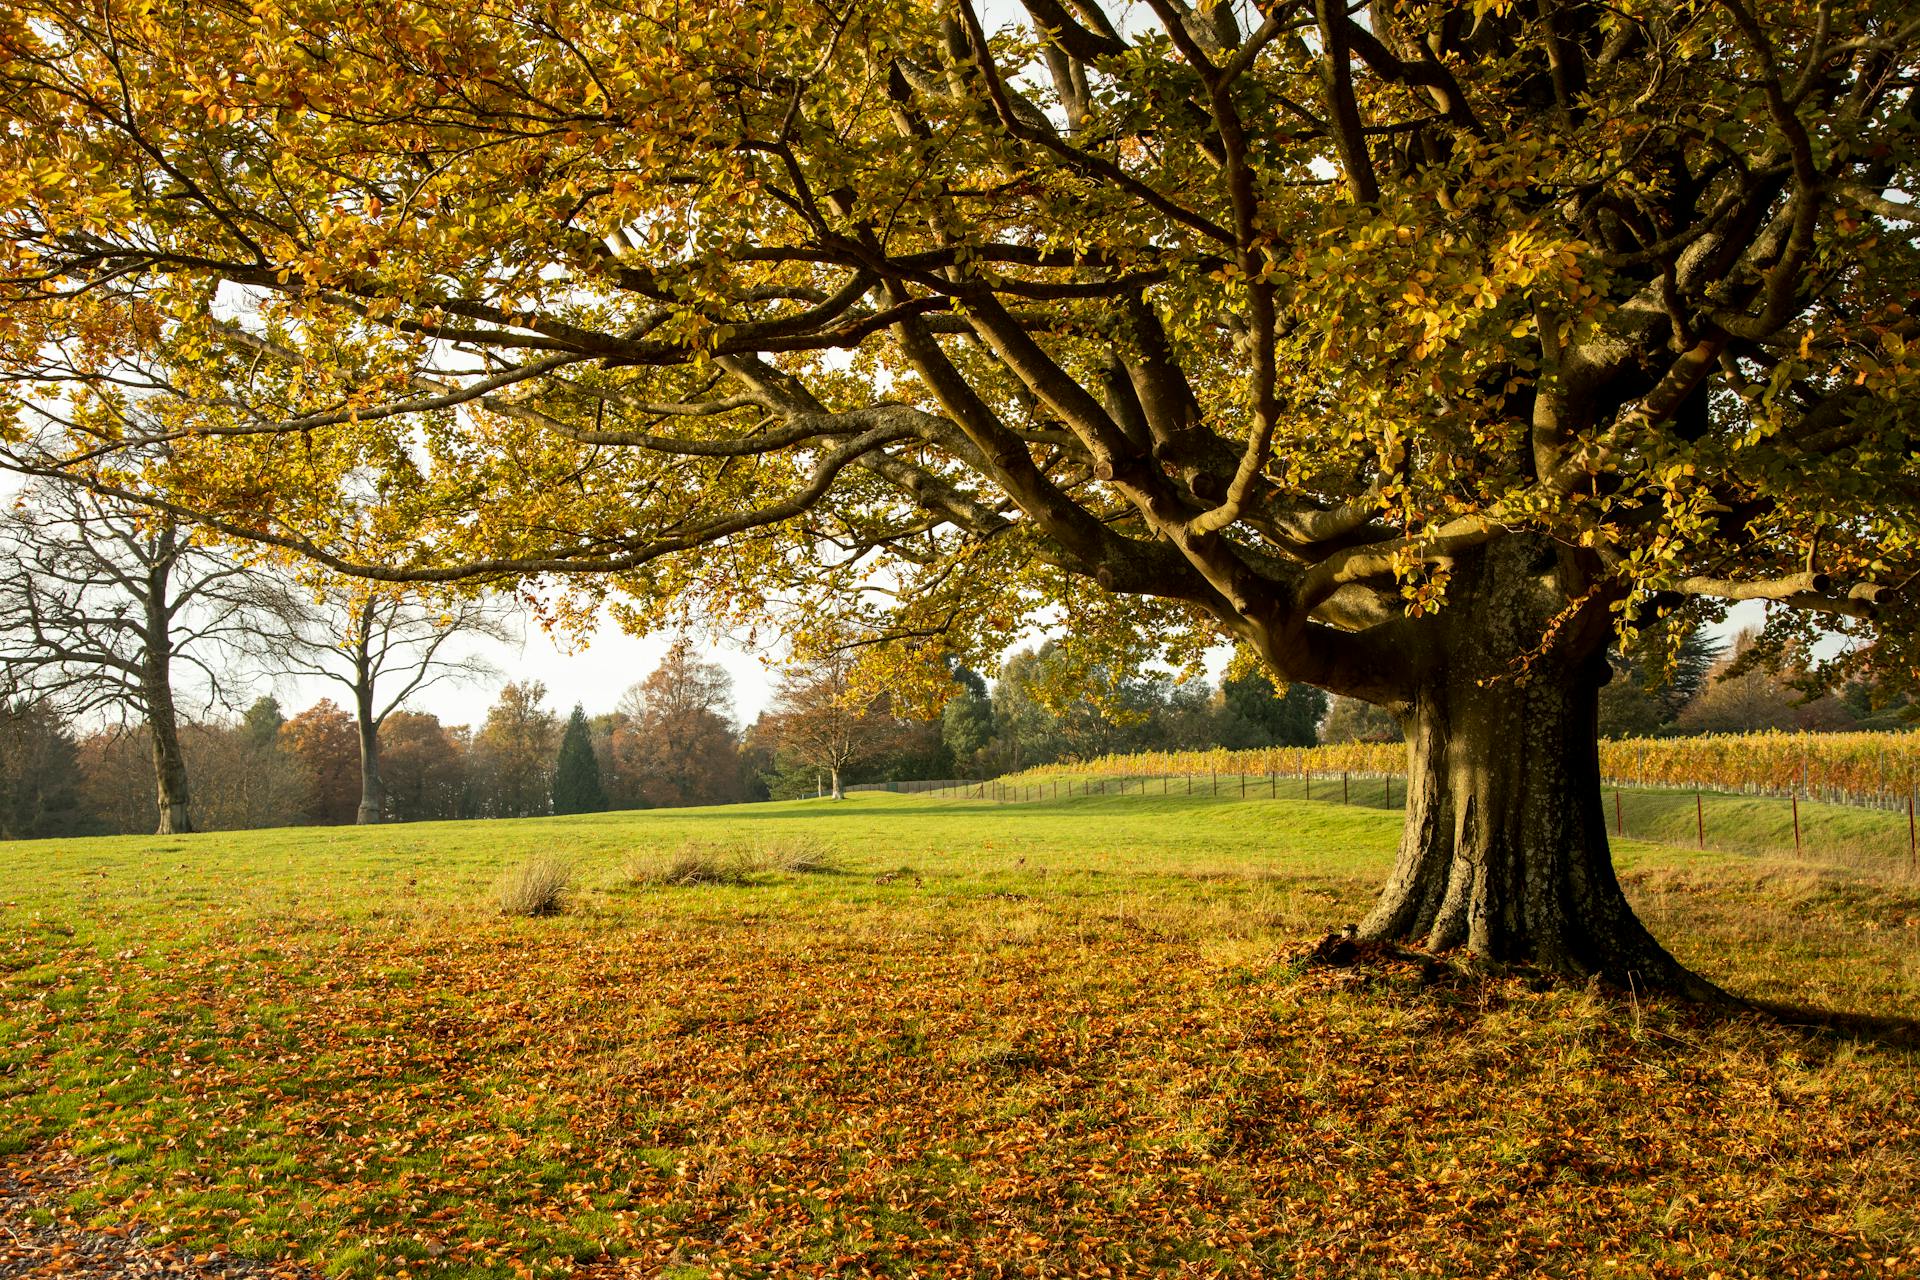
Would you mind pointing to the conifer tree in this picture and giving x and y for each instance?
(576, 776)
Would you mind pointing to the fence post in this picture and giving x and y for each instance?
(1699, 818)
(1189, 784)
(1308, 775)
(1243, 786)
(1913, 846)
(1796, 825)
(1619, 817)
(1343, 787)
(1273, 785)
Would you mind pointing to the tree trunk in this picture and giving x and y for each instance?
(373, 791)
(169, 765)
(838, 794)
(1505, 846)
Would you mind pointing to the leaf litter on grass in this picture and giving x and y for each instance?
(833, 1077)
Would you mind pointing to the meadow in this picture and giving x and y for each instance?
(937, 1037)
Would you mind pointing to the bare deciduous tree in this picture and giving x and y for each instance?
(105, 607)
(385, 646)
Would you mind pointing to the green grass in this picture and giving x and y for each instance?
(1066, 1037)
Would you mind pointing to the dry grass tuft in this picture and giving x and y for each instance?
(699, 862)
(537, 887)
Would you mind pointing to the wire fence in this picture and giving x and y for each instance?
(1877, 770)
(1881, 839)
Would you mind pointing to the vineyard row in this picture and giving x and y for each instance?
(1877, 769)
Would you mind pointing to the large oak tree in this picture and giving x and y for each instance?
(111, 611)
(1421, 347)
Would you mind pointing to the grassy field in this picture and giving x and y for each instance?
(923, 1037)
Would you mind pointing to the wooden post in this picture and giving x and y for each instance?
(1796, 825)
(1619, 818)
(1243, 786)
(1344, 797)
(1699, 818)
(1273, 785)
(1308, 775)
(1913, 846)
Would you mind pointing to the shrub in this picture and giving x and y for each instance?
(799, 856)
(703, 862)
(537, 887)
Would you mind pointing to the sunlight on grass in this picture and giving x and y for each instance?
(935, 1037)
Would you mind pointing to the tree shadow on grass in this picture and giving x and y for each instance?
(1895, 1031)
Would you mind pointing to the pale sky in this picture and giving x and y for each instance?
(598, 672)
(594, 675)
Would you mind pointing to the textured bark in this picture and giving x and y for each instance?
(838, 794)
(1505, 848)
(373, 791)
(169, 763)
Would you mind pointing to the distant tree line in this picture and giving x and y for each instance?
(121, 631)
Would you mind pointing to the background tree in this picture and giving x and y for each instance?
(1654, 682)
(966, 722)
(109, 608)
(576, 771)
(1420, 348)
(243, 781)
(1351, 720)
(1742, 694)
(423, 767)
(822, 719)
(325, 742)
(513, 754)
(1051, 704)
(384, 647)
(39, 773)
(676, 742)
(262, 721)
(1259, 715)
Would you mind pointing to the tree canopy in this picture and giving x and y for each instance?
(1416, 348)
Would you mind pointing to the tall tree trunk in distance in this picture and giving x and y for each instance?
(156, 687)
(838, 794)
(169, 762)
(373, 792)
(1505, 847)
